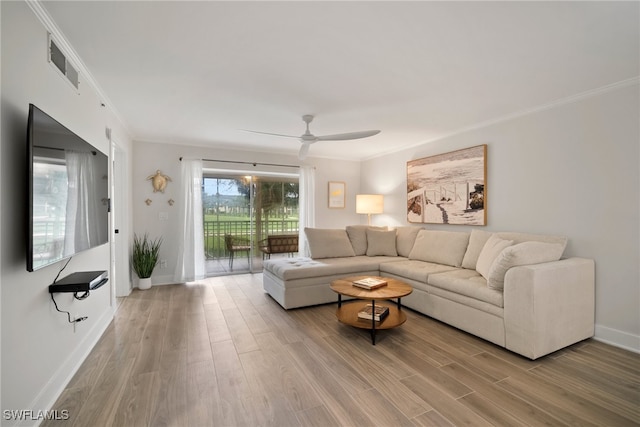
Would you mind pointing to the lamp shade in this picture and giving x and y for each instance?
(369, 203)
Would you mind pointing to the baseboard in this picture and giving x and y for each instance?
(618, 338)
(158, 280)
(56, 385)
(163, 280)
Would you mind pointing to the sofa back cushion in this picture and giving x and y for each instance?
(328, 243)
(381, 243)
(405, 239)
(525, 253)
(441, 247)
(358, 237)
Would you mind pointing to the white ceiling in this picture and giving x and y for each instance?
(199, 72)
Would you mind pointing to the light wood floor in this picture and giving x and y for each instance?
(222, 353)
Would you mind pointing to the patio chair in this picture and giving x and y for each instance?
(236, 244)
(279, 244)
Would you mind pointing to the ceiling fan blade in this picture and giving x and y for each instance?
(304, 149)
(272, 134)
(347, 136)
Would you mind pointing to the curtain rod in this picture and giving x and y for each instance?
(247, 163)
(61, 149)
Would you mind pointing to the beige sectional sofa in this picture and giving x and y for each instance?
(512, 289)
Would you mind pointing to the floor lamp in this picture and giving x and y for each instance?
(369, 204)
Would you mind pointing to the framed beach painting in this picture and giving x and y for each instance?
(337, 194)
(448, 188)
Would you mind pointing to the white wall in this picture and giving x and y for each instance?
(571, 169)
(149, 157)
(40, 350)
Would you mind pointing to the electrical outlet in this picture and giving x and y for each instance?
(163, 263)
(163, 216)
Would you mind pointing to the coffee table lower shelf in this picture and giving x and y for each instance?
(347, 313)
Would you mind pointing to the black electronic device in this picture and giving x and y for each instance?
(81, 281)
(67, 194)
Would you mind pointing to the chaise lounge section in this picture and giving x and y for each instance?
(512, 289)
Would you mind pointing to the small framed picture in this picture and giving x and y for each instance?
(337, 192)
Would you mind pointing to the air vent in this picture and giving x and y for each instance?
(59, 60)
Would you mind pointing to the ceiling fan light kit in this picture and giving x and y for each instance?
(307, 138)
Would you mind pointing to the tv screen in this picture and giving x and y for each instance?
(67, 192)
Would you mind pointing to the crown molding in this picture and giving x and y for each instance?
(41, 13)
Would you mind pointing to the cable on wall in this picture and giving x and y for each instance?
(76, 296)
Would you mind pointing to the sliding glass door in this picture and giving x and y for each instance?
(240, 212)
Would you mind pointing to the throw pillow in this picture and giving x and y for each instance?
(328, 243)
(527, 237)
(477, 239)
(405, 239)
(440, 247)
(489, 253)
(358, 237)
(522, 254)
(381, 243)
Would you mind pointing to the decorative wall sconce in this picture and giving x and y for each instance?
(148, 201)
(171, 202)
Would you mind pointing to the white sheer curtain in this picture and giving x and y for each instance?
(81, 208)
(190, 264)
(307, 205)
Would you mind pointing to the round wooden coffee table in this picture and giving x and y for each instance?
(348, 313)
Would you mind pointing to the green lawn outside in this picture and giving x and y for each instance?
(216, 226)
(229, 218)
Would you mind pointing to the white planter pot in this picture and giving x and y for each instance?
(144, 284)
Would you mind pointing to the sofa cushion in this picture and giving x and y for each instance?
(489, 253)
(328, 243)
(477, 239)
(358, 237)
(525, 253)
(304, 268)
(468, 283)
(405, 239)
(441, 247)
(381, 243)
(413, 269)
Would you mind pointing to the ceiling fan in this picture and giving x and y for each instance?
(308, 138)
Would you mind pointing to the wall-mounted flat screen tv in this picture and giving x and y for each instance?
(68, 192)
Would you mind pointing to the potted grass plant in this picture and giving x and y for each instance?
(144, 258)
